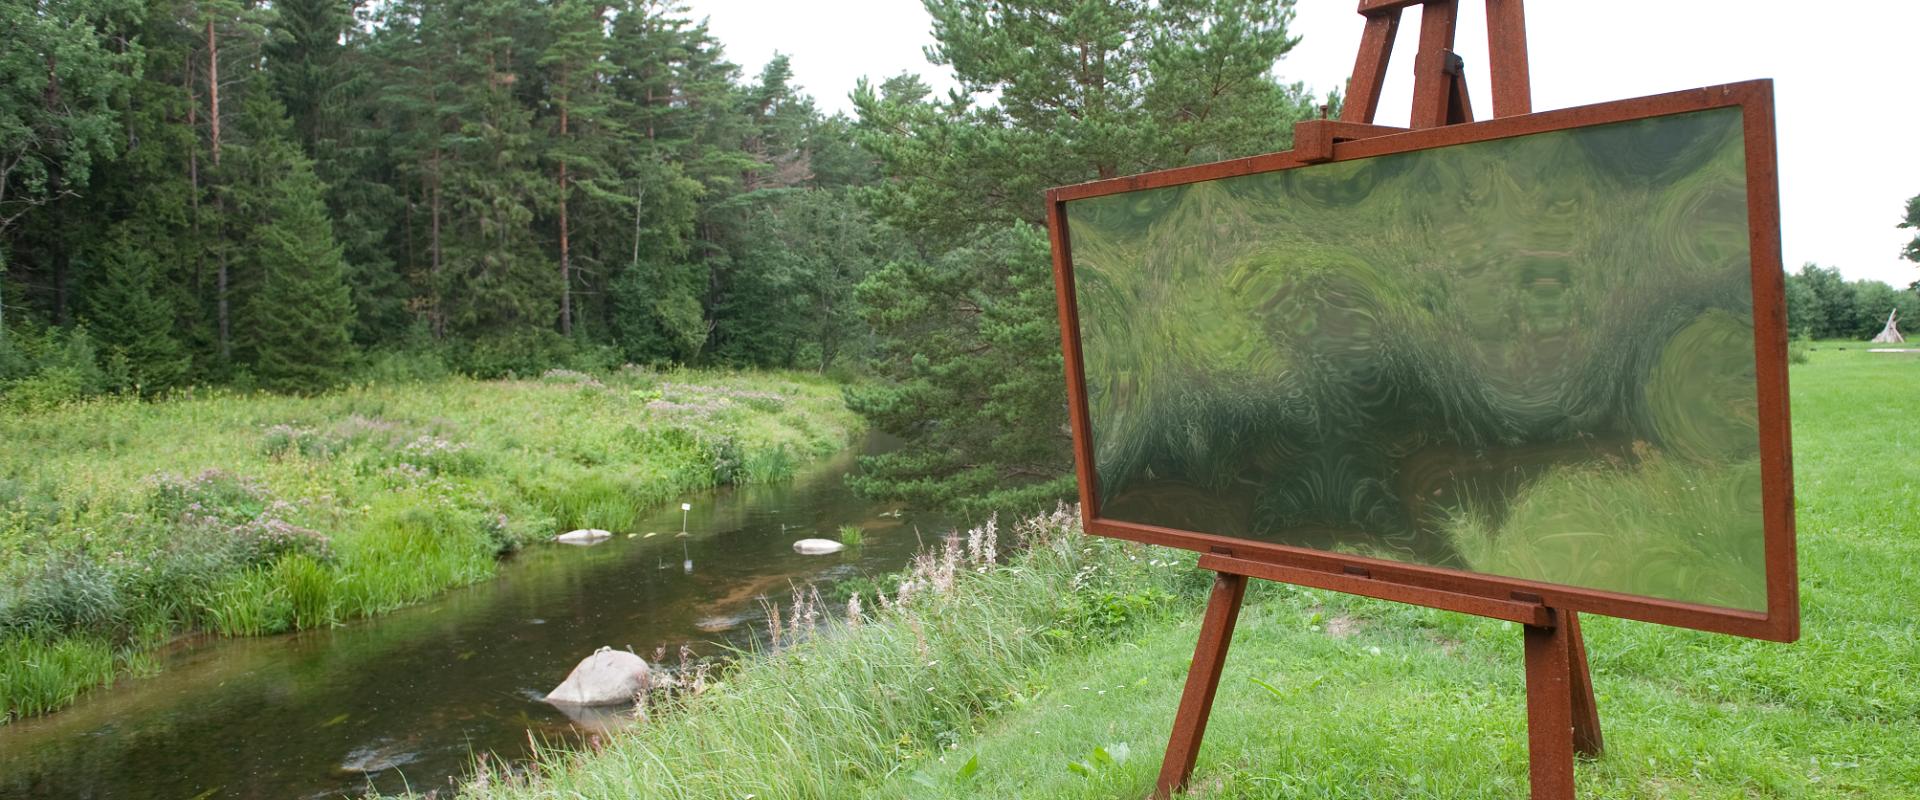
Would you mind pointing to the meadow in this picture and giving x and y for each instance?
(1054, 672)
(126, 525)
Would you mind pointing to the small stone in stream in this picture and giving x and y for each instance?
(584, 536)
(380, 756)
(608, 677)
(817, 547)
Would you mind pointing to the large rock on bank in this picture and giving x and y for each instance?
(605, 678)
(817, 547)
(584, 536)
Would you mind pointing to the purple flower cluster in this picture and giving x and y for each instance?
(442, 456)
(236, 510)
(281, 440)
(405, 475)
(269, 536)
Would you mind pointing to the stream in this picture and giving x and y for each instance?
(409, 699)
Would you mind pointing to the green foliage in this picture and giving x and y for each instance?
(306, 511)
(889, 694)
(1823, 305)
(852, 535)
(1912, 251)
(133, 317)
(298, 315)
(513, 186)
(37, 677)
(1081, 90)
(971, 350)
(51, 368)
(1322, 689)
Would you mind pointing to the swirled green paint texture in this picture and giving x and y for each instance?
(1530, 357)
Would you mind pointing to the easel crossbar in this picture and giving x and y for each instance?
(1525, 613)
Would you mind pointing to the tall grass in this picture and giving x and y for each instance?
(38, 676)
(900, 678)
(125, 523)
(1324, 695)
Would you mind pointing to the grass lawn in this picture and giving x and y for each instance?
(1329, 696)
(125, 524)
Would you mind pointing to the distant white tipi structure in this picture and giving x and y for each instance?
(1892, 333)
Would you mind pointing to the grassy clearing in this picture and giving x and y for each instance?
(1081, 647)
(125, 524)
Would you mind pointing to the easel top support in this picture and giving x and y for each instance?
(1439, 85)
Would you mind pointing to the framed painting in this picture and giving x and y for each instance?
(1539, 357)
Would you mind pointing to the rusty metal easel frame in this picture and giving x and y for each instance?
(1562, 718)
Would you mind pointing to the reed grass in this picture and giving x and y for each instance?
(900, 682)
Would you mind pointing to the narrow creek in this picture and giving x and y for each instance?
(408, 699)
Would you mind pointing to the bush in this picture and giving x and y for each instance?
(408, 365)
(283, 440)
(508, 355)
(69, 595)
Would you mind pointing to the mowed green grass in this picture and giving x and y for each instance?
(124, 524)
(1331, 696)
(1374, 700)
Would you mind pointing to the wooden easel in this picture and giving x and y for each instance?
(1561, 716)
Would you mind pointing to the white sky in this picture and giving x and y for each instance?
(1848, 126)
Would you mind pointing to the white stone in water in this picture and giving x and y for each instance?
(608, 677)
(817, 547)
(584, 536)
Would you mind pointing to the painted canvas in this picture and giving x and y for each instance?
(1529, 357)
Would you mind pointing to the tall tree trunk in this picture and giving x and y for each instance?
(62, 258)
(566, 264)
(219, 207)
(435, 314)
(639, 197)
(213, 89)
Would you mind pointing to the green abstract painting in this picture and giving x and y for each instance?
(1529, 357)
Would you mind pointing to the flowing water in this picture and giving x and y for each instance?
(409, 699)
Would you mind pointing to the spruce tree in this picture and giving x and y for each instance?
(298, 308)
(131, 317)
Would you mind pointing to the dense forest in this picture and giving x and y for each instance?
(287, 195)
(229, 191)
(293, 194)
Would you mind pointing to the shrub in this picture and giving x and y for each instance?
(442, 456)
(506, 355)
(410, 365)
(283, 440)
(71, 594)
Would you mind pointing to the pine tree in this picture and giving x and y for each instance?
(298, 308)
(1080, 89)
(131, 317)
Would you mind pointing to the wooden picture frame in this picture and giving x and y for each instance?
(1485, 594)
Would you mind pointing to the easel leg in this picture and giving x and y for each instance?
(1196, 703)
(1586, 714)
(1560, 711)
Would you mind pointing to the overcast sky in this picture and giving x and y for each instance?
(1847, 120)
